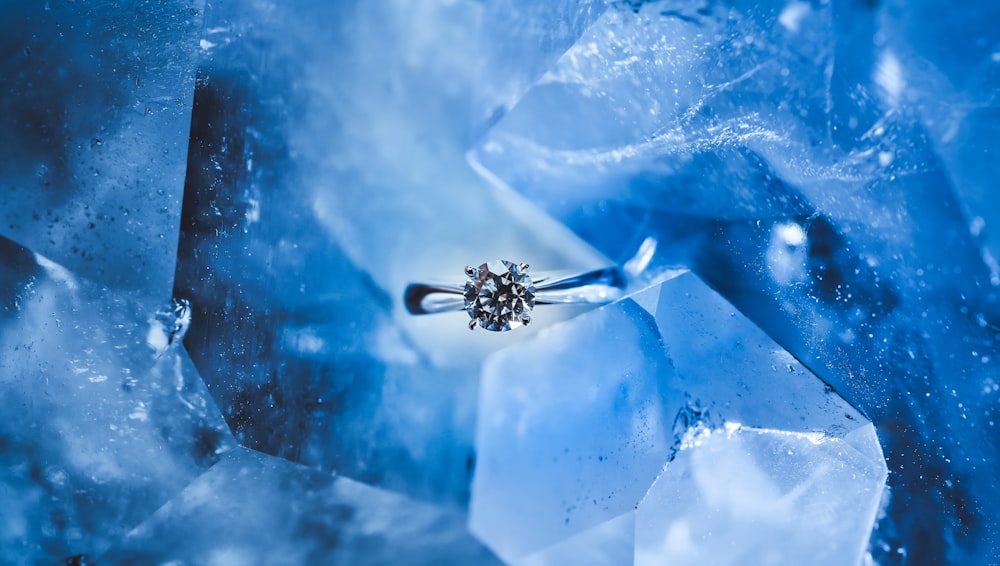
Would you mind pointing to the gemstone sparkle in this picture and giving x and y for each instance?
(499, 295)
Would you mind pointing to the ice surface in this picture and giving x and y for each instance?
(736, 489)
(256, 509)
(905, 350)
(575, 426)
(105, 417)
(723, 358)
(520, 41)
(951, 74)
(825, 167)
(611, 542)
(822, 166)
(569, 436)
(317, 189)
(663, 131)
(761, 497)
(94, 127)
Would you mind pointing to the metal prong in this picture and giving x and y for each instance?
(472, 324)
(469, 270)
(523, 267)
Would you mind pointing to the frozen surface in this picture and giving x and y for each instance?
(94, 123)
(638, 121)
(326, 172)
(733, 370)
(751, 496)
(610, 542)
(105, 417)
(576, 427)
(253, 509)
(823, 169)
(520, 40)
(953, 84)
(569, 434)
(822, 165)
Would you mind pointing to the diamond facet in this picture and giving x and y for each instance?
(499, 295)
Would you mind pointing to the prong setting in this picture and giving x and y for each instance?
(499, 295)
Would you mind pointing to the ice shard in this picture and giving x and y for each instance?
(651, 123)
(816, 164)
(326, 172)
(774, 467)
(617, 434)
(251, 508)
(94, 128)
(762, 497)
(573, 428)
(520, 40)
(105, 417)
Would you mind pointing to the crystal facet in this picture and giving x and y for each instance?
(251, 508)
(104, 416)
(822, 171)
(823, 166)
(94, 123)
(660, 440)
(499, 295)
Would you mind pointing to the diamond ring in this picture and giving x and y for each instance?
(499, 295)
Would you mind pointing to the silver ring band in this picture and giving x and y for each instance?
(593, 287)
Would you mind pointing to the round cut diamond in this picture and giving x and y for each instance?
(499, 295)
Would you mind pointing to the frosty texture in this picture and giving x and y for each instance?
(256, 509)
(569, 434)
(105, 417)
(94, 126)
(821, 171)
(692, 438)
(822, 166)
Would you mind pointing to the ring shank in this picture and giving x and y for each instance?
(593, 287)
(422, 298)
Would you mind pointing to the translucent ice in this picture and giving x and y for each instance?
(326, 172)
(611, 542)
(733, 369)
(950, 74)
(619, 436)
(891, 333)
(773, 473)
(825, 167)
(520, 41)
(101, 424)
(762, 497)
(821, 165)
(569, 434)
(94, 126)
(651, 123)
(255, 509)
